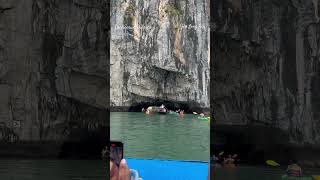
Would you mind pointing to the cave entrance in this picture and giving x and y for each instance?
(253, 144)
(188, 107)
(231, 140)
(88, 146)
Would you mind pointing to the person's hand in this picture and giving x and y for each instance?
(119, 173)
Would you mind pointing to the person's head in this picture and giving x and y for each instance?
(294, 161)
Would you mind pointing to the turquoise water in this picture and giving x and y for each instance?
(161, 136)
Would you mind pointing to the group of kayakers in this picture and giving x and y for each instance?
(225, 161)
(230, 161)
(161, 109)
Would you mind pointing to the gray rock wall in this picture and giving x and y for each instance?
(159, 50)
(54, 69)
(266, 68)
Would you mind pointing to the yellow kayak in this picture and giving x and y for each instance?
(272, 163)
(195, 113)
(316, 177)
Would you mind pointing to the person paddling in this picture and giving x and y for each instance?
(228, 160)
(181, 112)
(294, 170)
(220, 158)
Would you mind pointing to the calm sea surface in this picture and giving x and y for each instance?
(161, 136)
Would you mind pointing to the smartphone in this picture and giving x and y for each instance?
(116, 152)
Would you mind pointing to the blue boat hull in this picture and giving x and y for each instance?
(169, 170)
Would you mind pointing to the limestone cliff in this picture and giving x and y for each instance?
(159, 50)
(54, 70)
(266, 65)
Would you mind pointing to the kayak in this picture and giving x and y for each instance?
(316, 177)
(173, 113)
(168, 169)
(296, 178)
(272, 163)
(204, 118)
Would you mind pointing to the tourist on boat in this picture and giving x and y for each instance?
(181, 112)
(120, 172)
(229, 160)
(149, 109)
(214, 160)
(294, 170)
(220, 158)
(236, 161)
(177, 111)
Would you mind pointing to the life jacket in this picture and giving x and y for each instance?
(294, 171)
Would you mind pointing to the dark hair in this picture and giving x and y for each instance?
(293, 161)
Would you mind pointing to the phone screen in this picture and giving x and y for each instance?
(116, 151)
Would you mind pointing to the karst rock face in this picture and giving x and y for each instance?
(54, 69)
(267, 66)
(55, 62)
(159, 50)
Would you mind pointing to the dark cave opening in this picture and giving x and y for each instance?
(88, 146)
(188, 107)
(253, 144)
